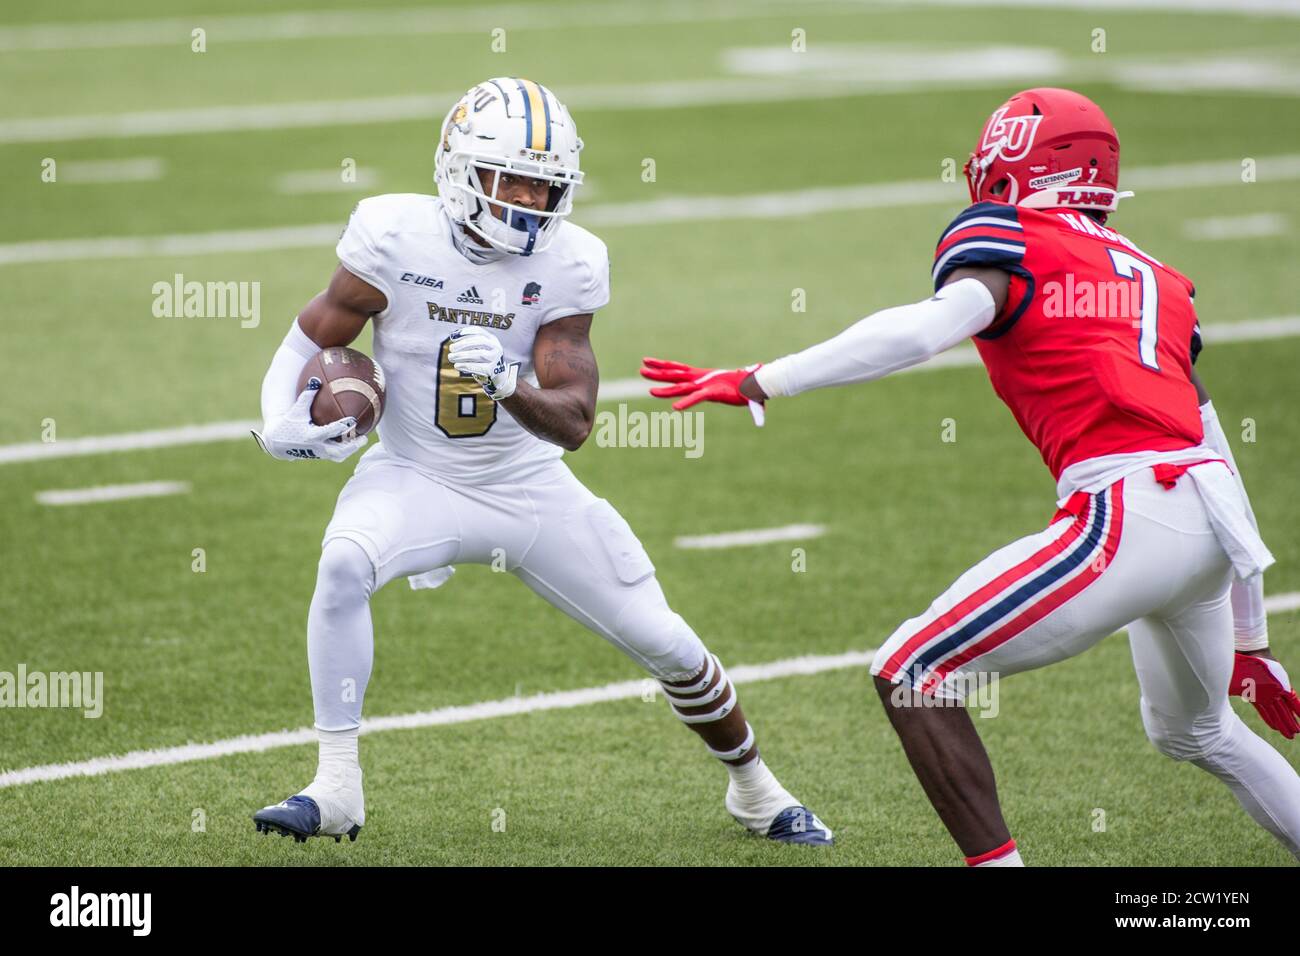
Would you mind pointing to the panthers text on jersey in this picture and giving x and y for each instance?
(1093, 351)
(434, 418)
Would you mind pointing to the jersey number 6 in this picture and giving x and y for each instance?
(464, 411)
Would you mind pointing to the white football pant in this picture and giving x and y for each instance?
(569, 546)
(1134, 555)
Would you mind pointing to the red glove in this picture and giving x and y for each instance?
(1263, 682)
(697, 384)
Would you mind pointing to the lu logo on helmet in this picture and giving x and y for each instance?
(1014, 135)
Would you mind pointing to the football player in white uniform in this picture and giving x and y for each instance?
(482, 299)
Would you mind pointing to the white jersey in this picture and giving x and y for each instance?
(435, 419)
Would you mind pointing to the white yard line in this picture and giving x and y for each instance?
(1251, 330)
(303, 181)
(140, 169)
(415, 21)
(1247, 330)
(987, 67)
(507, 707)
(897, 65)
(620, 97)
(428, 107)
(129, 441)
(754, 536)
(1251, 226)
(613, 390)
(177, 244)
(1281, 603)
(400, 21)
(619, 389)
(444, 716)
(84, 496)
(670, 209)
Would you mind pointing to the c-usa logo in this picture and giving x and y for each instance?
(1014, 136)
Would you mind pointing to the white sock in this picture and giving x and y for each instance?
(338, 754)
(755, 796)
(752, 776)
(1007, 859)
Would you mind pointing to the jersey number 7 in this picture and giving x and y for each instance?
(1131, 267)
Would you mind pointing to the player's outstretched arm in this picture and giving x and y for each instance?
(563, 409)
(881, 343)
(335, 317)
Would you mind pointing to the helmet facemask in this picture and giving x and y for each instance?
(486, 136)
(521, 230)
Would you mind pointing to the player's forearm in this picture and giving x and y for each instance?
(1249, 620)
(563, 415)
(280, 385)
(881, 343)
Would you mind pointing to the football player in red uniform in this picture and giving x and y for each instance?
(1090, 342)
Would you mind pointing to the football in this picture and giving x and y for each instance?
(352, 385)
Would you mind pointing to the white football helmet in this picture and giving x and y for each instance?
(511, 124)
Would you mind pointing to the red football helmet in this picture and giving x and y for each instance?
(1046, 148)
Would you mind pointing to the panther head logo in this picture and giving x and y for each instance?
(458, 117)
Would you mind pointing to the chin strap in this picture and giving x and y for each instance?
(492, 228)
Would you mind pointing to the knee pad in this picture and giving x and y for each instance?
(658, 636)
(1182, 738)
(344, 574)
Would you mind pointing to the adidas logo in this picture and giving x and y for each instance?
(470, 295)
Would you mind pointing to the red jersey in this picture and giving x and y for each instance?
(1093, 352)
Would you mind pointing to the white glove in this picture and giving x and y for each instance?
(293, 436)
(478, 352)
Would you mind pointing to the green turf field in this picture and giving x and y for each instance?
(202, 657)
